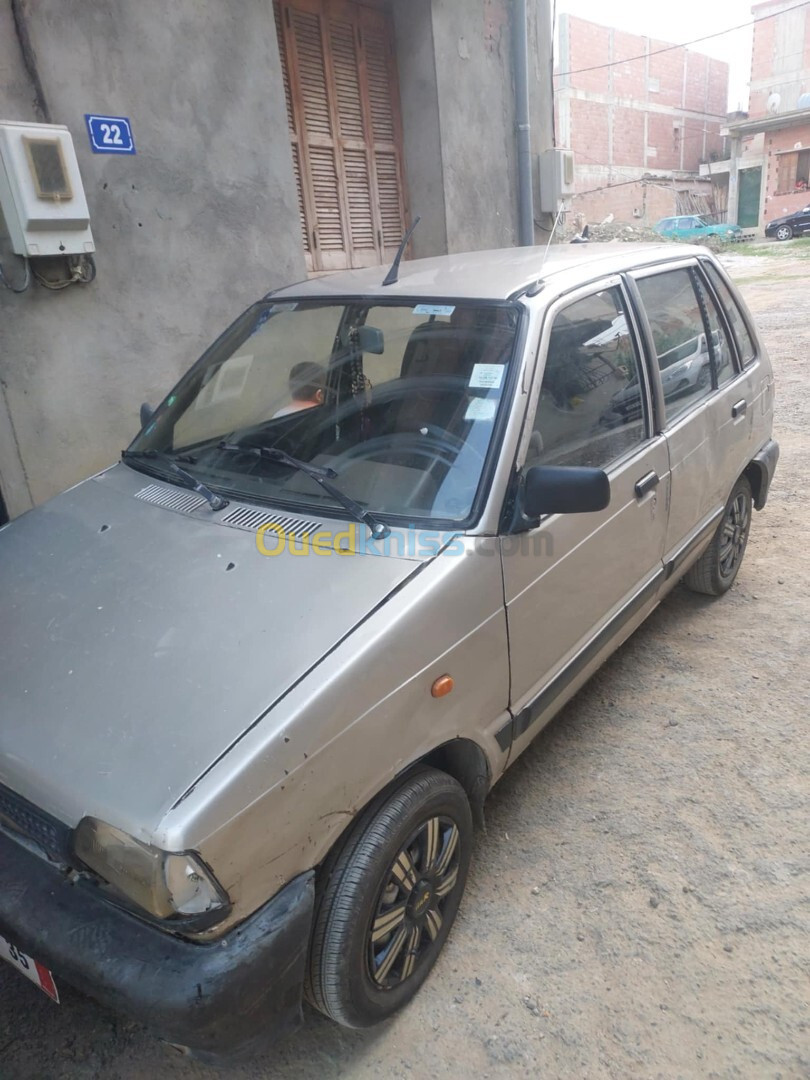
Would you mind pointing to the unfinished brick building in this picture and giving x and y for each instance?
(767, 173)
(639, 121)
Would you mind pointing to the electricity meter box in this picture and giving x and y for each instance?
(41, 192)
(556, 178)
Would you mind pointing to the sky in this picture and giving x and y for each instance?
(678, 21)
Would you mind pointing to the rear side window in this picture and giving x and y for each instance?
(745, 344)
(681, 342)
(591, 406)
(720, 345)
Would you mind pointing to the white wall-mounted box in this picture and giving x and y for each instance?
(41, 191)
(556, 178)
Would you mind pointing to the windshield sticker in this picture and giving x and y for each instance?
(481, 408)
(434, 309)
(486, 376)
(228, 383)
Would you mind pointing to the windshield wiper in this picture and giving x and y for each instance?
(216, 502)
(322, 476)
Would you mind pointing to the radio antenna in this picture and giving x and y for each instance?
(560, 213)
(392, 277)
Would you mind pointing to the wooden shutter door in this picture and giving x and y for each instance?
(304, 212)
(345, 131)
(384, 128)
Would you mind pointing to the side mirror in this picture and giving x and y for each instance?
(564, 489)
(147, 412)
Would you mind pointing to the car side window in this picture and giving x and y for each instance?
(591, 405)
(720, 346)
(680, 338)
(745, 345)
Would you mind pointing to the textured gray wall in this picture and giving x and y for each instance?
(474, 77)
(421, 123)
(201, 221)
(456, 84)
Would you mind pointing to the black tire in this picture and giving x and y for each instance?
(784, 232)
(401, 853)
(716, 569)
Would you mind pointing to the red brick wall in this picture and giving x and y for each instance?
(589, 129)
(763, 61)
(662, 97)
(628, 136)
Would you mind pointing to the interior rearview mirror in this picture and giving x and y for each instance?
(371, 340)
(147, 412)
(564, 489)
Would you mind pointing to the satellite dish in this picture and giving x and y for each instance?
(774, 101)
(804, 101)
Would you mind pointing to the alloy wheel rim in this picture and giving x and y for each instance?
(409, 914)
(734, 535)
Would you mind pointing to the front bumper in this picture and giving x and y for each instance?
(223, 1000)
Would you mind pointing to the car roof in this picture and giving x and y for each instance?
(490, 275)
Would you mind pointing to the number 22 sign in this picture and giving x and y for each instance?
(110, 134)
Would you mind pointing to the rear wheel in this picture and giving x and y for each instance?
(716, 569)
(389, 901)
(784, 232)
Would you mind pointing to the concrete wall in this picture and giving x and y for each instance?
(201, 221)
(456, 84)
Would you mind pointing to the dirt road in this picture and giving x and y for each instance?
(639, 904)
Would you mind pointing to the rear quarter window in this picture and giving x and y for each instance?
(742, 336)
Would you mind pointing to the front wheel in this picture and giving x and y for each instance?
(717, 567)
(784, 232)
(389, 901)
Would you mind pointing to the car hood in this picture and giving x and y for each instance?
(137, 643)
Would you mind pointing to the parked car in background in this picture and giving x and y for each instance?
(258, 678)
(785, 228)
(693, 227)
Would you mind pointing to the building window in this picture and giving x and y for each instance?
(793, 172)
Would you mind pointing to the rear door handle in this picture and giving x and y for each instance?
(739, 409)
(647, 484)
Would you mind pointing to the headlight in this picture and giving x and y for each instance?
(163, 883)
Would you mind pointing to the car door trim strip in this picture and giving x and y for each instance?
(521, 723)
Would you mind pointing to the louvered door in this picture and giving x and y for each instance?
(343, 113)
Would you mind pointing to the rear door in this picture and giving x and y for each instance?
(703, 425)
(576, 584)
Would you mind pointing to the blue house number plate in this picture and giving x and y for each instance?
(110, 134)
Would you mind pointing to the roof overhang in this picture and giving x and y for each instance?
(768, 123)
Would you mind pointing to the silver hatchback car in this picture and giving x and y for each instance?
(258, 678)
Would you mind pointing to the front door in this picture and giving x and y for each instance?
(750, 181)
(577, 584)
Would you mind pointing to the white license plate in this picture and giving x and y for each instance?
(31, 968)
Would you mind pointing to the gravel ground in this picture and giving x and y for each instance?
(638, 906)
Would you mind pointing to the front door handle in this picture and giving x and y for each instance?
(738, 409)
(647, 484)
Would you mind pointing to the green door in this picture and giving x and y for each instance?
(748, 206)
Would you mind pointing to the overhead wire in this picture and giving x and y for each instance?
(683, 44)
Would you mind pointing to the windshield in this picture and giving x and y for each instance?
(399, 402)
